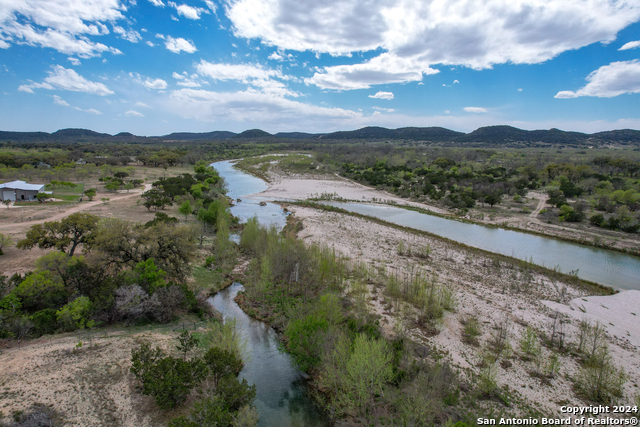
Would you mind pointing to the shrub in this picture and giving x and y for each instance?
(170, 380)
(529, 345)
(75, 315)
(304, 337)
(599, 380)
(471, 330)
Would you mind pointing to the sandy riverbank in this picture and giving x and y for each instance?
(492, 292)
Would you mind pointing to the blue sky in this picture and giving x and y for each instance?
(153, 67)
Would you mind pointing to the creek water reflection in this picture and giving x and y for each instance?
(282, 397)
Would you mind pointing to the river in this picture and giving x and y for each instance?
(282, 397)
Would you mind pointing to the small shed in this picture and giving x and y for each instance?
(19, 190)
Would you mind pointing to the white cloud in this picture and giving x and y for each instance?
(281, 56)
(157, 84)
(185, 80)
(63, 25)
(388, 110)
(252, 106)
(179, 44)
(255, 75)
(455, 81)
(382, 69)
(382, 95)
(414, 36)
(477, 110)
(67, 79)
(74, 61)
(160, 36)
(519, 89)
(129, 35)
(150, 43)
(630, 45)
(141, 104)
(59, 101)
(157, 3)
(187, 11)
(211, 5)
(134, 113)
(609, 81)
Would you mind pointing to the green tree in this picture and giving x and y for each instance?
(170, 380)
(187, 343)
(186, 209)
(77, 228)
(90, 193)
(40, 290)
(156, 199)
(76, 314)
(222, 363)
(5, 240)
(304, 340)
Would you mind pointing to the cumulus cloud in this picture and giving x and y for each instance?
(382, 95)
(382, 69)
(609, 81)
(388, 110)
(90, 111)
(179, 45)
(266, 80)
(63, 25)
(157, 3)
(157, 84)
(413, 37)
(129, 35)
(630, 45)
(134, 113)
(141, 104)
(66, 79)
(477, 110)
(187, 11)
(74, 61)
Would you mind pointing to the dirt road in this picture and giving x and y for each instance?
(74, 209)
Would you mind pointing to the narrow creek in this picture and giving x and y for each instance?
(282, 397)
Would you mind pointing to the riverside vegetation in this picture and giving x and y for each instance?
(107, 271)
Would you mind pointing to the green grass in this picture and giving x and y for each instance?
(209, 280)
(67, 194)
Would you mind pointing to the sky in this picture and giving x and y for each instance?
(152, 67)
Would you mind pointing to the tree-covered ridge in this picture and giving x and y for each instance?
(488, 135)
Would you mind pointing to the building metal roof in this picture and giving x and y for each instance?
(21, 185)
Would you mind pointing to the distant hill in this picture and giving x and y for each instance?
(298, 135)
(411, 133)
(253, 133)
(488, 135)
(623, 135)
(189, 136)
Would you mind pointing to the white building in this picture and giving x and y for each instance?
(19, 190)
